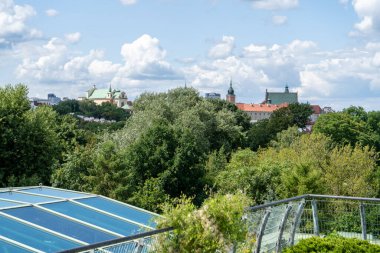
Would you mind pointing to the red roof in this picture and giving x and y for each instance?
(260, 107)
(316, 109)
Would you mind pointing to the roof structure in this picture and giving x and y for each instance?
(281, 97)
(46, 219)
(260, 107)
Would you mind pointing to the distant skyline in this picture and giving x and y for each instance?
(326, 50)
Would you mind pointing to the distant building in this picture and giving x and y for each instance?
(51, 100)
(317, 111)
(231, 94)
(277, 98)
(212, 95)
(99, 96)
(259, 111)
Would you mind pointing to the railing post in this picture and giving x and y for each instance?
(363, 221)
(296, 222)
(315, 217)
(139, 246)
(262, 229)
(282, 227)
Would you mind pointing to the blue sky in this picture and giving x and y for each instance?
(326, 50)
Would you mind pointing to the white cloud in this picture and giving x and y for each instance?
(54, 62)
(51, 12)
(73, 37)
(376, 59)
(13, 26)
(279, 20)
(275, 4)
(144, 60)
(369, 13)
(128, 2)
(223, 49)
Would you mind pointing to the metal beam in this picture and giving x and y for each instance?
(282, 227)
(296, 222)
(262, 229)
(315, 217)
(363, 221)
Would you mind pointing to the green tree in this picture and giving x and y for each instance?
(262, 132)
(343, 128)
(67, 106)
(29, 146)
(248, 172)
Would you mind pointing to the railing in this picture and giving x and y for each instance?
(140, 243)
(283, 223)
(279, 224)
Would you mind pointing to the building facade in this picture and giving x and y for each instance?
(277, 98)
(259, 111)
(212, 95)
(99, 96)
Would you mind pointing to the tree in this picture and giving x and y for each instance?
(262, 132)
(67, 107)
(29, 145)
(344, 128)
(351, 171)
(248, 172)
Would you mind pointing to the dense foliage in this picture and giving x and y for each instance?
(215, 227)
(334, 244)
(88, 108)
(162, 150)
(262, 132)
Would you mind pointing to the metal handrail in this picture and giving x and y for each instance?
(282, 201)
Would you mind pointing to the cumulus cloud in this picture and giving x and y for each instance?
(223, 49)
(369, 13)
(55, 63)
(279, 20)
(73, 37)
(275, 4)
(144, 60)
(51, 12)
(13, 27)
(128, 2)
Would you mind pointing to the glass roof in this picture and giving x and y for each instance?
(46, 219)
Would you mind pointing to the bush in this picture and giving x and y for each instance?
(333, 243)
(215, 227)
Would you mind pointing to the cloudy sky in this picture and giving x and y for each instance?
(326, 50)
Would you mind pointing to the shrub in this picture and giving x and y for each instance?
(333, 243)
(215, 227)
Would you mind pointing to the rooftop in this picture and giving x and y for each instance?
(259, 107)
(47, 219)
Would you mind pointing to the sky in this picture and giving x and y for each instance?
(326, 50)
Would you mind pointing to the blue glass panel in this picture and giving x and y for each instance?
(33, 237)
(10, 248)
(120, 209)
(59, 224)
(55, 192)
(4, 203)
(93, 217)
(24, 197)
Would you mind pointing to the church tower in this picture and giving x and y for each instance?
(231, 94)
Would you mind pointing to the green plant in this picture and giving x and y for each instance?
(333, 243)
